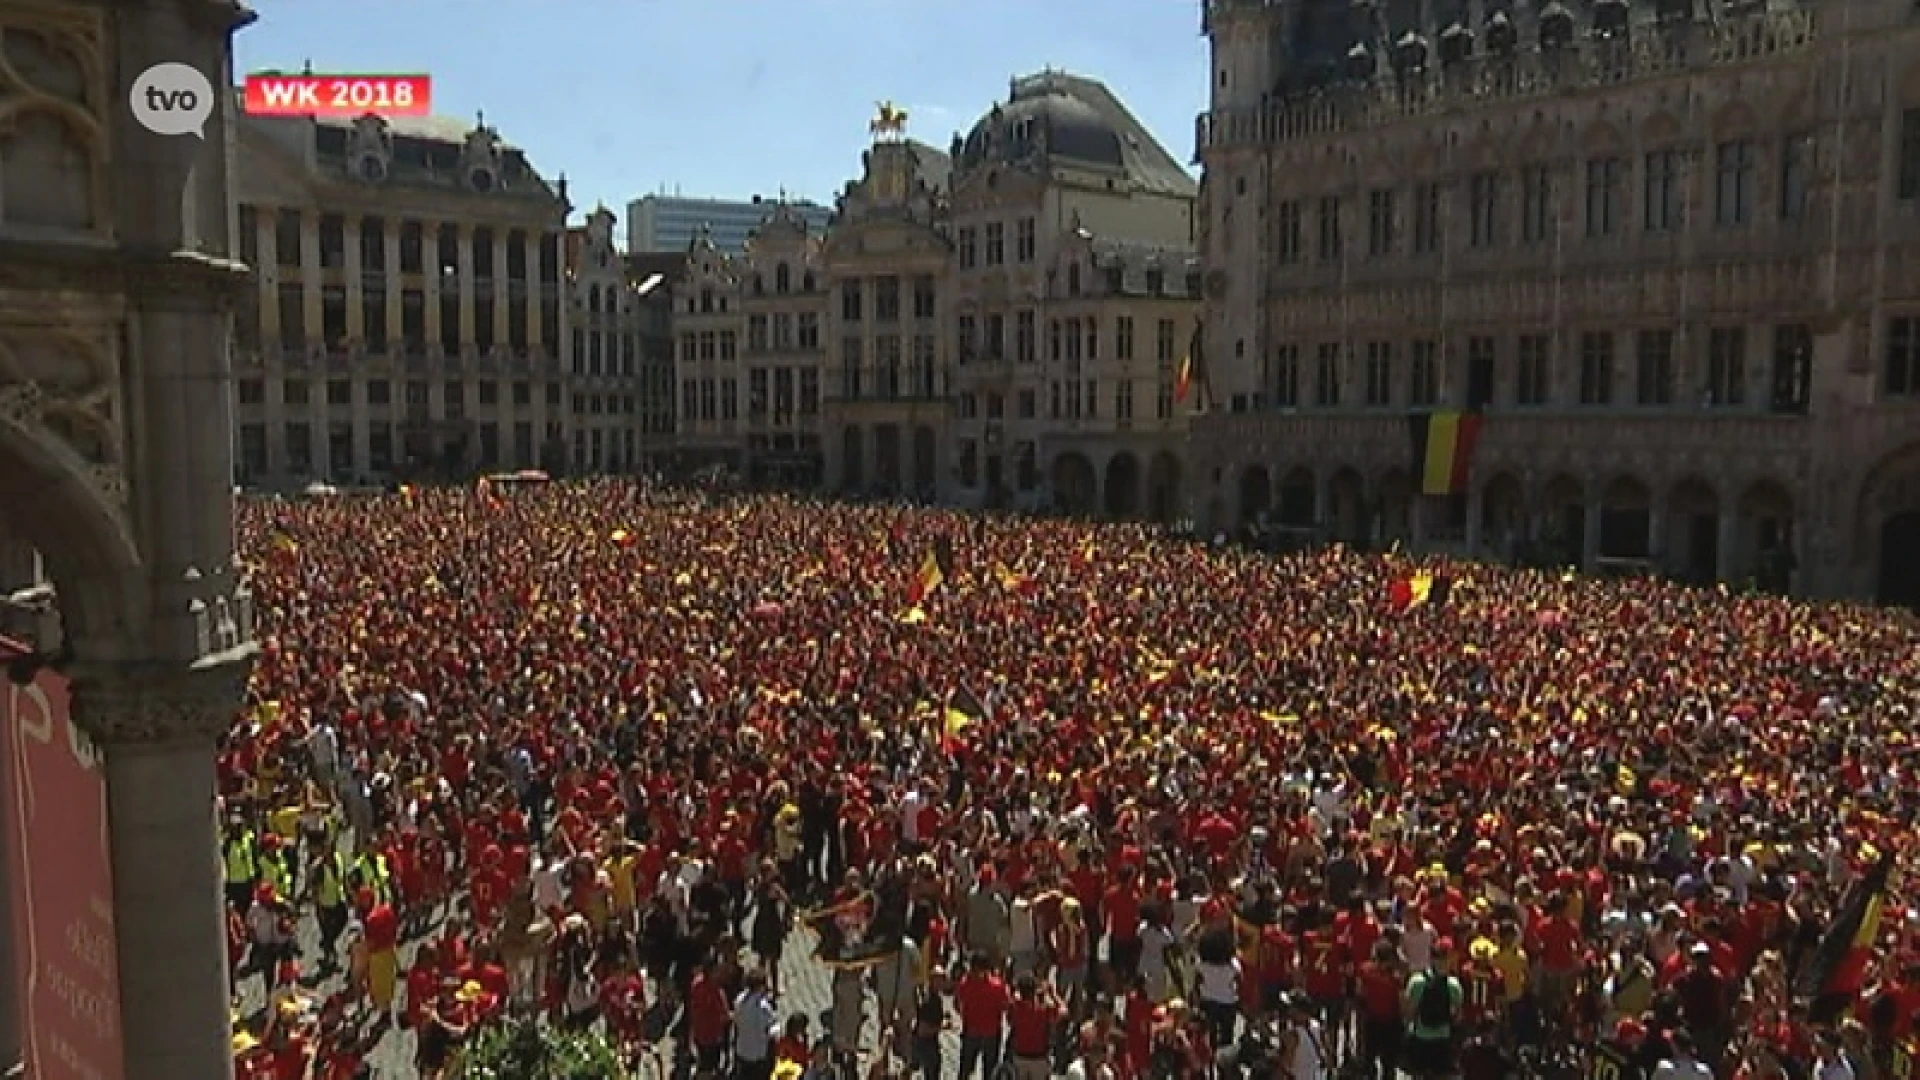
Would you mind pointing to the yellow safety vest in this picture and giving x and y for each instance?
(372, 871)
(331, 891)
(274, 871)
(242, 866)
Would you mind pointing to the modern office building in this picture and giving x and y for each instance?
(659, 223)
(1668, 250)
(409, 314)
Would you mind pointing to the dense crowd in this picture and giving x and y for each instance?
(1101, 802)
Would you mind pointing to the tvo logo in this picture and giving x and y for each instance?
(172, 99)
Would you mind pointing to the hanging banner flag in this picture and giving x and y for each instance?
(1443, 444)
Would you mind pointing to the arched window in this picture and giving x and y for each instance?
(782, 279)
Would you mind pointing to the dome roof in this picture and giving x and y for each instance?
(1044, 115)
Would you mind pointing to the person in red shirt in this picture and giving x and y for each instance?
(1326, 970)
(1122, 907)
(623, 1001)
(709, 1018)
(982, 999)
(423, 987)
(1559, 942)
(1380, 981)
(1030, 1025)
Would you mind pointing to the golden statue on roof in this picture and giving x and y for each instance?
(889, 121)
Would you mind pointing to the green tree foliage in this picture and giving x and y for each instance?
(529, 1050)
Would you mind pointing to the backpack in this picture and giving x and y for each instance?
(1435, 1008)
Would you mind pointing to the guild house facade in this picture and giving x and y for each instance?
(409, 314)
(1007, 319)
(1666, 251)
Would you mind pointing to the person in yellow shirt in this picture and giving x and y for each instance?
(621, 864)
(1509, 961)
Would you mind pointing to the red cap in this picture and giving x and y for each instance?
(1444, 945)
(1629, 1030)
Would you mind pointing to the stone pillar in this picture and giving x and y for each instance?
(501, 297)
(1657, 533)
(268, 271)
(536, 293)
(1590, 532)
(1730, 559)
(157, 730)
(310, 275)
(390, 242)
(430, 273)
(356, 292)
(463, 240)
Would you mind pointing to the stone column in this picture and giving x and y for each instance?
(310, 275)
(1590, 532)
(463, 239)
(501, 297)
(390, 242)
(356, 291)
(157, 730)
(536, 293)
(1729, 559)
(430, 273)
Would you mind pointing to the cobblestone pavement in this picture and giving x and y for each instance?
(806, 987)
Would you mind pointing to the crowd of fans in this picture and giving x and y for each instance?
(1100, 802)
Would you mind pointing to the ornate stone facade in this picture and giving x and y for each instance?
(117, 292)
(409, 313)
(621, 354)
(747, 364)
(1669, 248)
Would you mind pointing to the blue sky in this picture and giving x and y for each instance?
(732, 98)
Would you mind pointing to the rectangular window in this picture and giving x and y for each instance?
(967, 334)
(1903, 356)
(1123, 338)
(886, 299)
(1379, 373)
(924, 306)
(756, 333)
(995, 345)
(1909, 163)
(1596, 367)
(1423, 385)
(1286, 376)
(1533, 375)
(1024, 242)
(968, 248)
(850, 301)
(1604, 179)
(1026, 333)
(1726, 366)
(1380, 222)
(1484, 192)
(1733, 184)
(1289, 239)
(1326, 375)
(1426, 219)
(1329, 225)
(1123, 400)
(1653, 367)
(1536, 204)
(996, 243)
(1792, 368)
(1661, 200)
(1796, 174)
(851, 361)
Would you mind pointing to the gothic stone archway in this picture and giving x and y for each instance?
(1885, 528)
(136, 537)
(1075, 485)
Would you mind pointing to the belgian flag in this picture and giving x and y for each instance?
(1443, 445)
(926, 579)
(1834, 974)
(962, 711)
